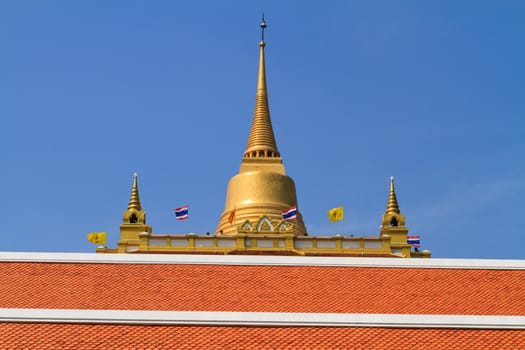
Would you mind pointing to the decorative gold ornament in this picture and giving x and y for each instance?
(134, 200)
(133, 220)
(393, 216)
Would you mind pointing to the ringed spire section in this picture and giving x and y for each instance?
(261, 143)
(391, 205)
(134, 200)
(392, 216)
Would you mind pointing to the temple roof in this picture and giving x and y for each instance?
(156, 301)
(82, 336)
(263, 284)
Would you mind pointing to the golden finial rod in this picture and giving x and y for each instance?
(263, 26)
(134, 200)
(392, 206)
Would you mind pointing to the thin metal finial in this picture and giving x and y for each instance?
(263, 26)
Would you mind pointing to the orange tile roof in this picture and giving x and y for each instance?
(79, 336)
(262, 288)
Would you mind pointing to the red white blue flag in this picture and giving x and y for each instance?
(290, 214)
(413, 241)
(181, 213)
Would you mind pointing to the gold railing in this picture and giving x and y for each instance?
(211, 244)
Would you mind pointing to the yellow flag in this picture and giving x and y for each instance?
(336, 214)
(97, 237)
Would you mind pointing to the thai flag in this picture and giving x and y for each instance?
(290, 214)
(181, 213)
(413, 241)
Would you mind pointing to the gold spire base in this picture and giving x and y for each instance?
(253, 194)
(262, 164)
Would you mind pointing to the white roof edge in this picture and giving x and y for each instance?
(269, 319)
(263, 260)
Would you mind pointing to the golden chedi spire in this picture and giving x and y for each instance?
(393, 225)
(393, 216)
(134, 200)
(261, 190)
(134, 214)
(261, 143)
(392, 206)
(133, 221)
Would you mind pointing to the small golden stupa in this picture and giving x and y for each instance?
(133, 219)
(261, 189)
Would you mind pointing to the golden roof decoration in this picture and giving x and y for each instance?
(261, 143)
(392, 206)
(134, 200)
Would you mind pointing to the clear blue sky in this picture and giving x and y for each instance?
(432, 92)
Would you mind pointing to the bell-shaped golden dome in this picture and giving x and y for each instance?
(261, 188)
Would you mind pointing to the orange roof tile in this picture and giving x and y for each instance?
(78, 336)
(262, 288)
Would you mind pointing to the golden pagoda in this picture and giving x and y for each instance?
(133, 220)
(252, 220)
(393, 226)
(261, 191)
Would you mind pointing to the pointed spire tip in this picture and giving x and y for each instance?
(261, 142)
(263, 27)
